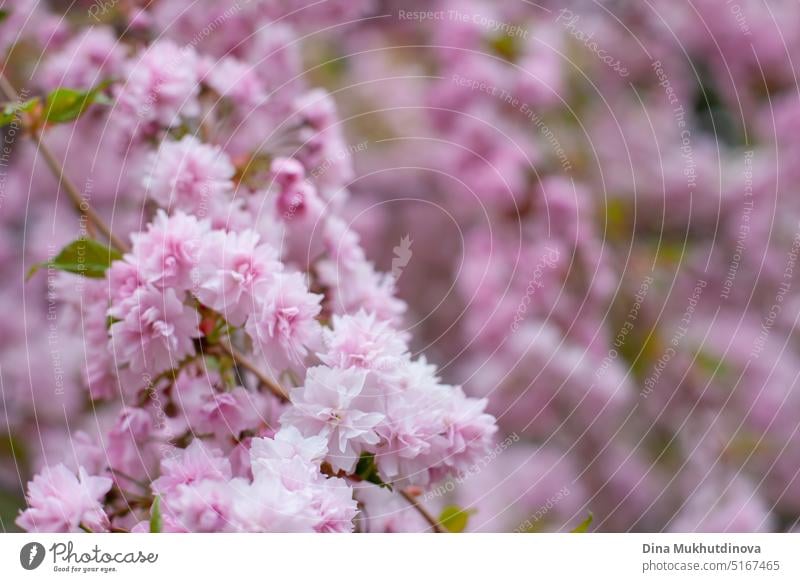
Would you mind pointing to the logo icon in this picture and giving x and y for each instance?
(31, 555)
(402, 256)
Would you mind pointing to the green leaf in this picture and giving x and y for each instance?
(583, 526)
(367, 470)
(3, 15)
(454, 519)
(12, 110)
(84, 256)
(65, 104)
(156, 523)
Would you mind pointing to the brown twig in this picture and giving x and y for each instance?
(57, 169)
(432, 521)
(244, 362)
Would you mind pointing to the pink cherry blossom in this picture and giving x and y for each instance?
(327, 405)
(234, 271)
(154, 332)
(283, 325)
(189, 175)
(58, 501)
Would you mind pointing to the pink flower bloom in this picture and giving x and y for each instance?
(233, 271)
(123, 279)
(288, 492)
(237, 81)
(189, 175)
(361, 287)
(297, 198)
(335, 506)
(287, 443)
(327, 405)
(192, 464)
(161, 86)
(58, 501)
(155, 330)
(363, 341)
(130, 446)
(166, 253)
(223, 414)
(468, 429)
(93, 56)
(284, 324)
(201, 506)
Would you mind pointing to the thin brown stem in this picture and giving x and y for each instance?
(245, 363)
(82, 206)
(432, 521)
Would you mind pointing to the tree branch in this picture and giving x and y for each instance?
(244, 362)
(57, 169)
(432, 521)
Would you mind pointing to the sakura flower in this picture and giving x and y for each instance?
(236, 80)
(283, 324)
(154, 332)
(87, 59)
(266, 505)
(297, 198)
(194, 463)
(58, 501)
(234, 269)
(189, 175)
(166, 254)
(468, 429)
(327, 405)
(361, 287)
(224, 414)
(287, 443)
(201, 506)
(363, 341)
(333, 501)
(123, 280)
(161, 86)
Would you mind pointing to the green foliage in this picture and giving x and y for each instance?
(583, 526)
(83, 256)
(60, 106)
(367, 470)
(63, 104)
(156, 522)
(454, 519)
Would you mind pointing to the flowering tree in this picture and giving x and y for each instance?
(244, 365)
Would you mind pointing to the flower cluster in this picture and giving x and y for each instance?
(243, 358)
